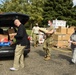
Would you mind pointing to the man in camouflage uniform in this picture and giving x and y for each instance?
(35, 34)
(48, 41)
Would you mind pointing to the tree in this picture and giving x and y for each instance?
(35, 10)
(59, 9)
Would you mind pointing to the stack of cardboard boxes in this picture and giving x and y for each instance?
(62, 35)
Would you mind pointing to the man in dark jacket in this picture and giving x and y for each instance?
(21, 42)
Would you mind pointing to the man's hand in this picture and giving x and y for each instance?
(69, 41)
(72, 42)
(11, 42)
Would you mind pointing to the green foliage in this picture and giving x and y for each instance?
(61, 10)
(28, 32)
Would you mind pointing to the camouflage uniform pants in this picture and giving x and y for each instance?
(36, 39)
(47, 46)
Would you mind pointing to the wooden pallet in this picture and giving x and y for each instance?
(58, 46)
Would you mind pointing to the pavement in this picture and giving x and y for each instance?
(59, 64)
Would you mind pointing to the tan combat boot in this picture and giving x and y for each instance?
(47, 58)
(34, 46)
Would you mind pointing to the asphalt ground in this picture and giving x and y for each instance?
(36, 65)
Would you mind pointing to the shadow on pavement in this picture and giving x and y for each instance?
(6, 58)
(65, 57)
(41, 53)
(10, 58)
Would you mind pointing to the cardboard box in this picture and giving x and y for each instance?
(43, 30)
(57, 32)
(65, 43)
(3, 38)
(12, 36)
(57, 29)
(62, 37)
(61, 43)
(11, 31)
(69, 30)
(66, 37)
(57, 43)
(62, 30)
(57, 37)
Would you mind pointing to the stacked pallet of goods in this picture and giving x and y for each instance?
(61, 36)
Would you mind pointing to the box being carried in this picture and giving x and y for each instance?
(43, 30)
(12, 35)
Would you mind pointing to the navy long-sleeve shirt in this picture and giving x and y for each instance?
(21, 37)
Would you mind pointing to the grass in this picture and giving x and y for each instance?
(28, 32)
